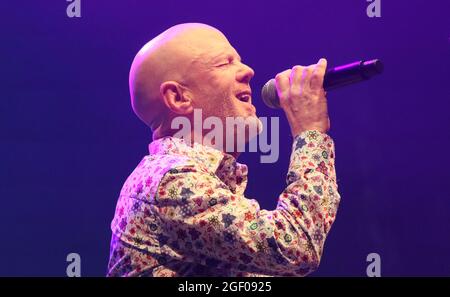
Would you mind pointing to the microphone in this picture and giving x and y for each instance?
(334, 78)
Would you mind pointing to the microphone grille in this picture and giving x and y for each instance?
(269, 95)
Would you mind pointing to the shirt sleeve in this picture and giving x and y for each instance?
(206, 223)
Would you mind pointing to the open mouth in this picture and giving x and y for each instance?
(244, 96)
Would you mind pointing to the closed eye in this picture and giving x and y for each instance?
(225, 63)
(228, 61)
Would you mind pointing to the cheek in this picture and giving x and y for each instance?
(218, 94)
(222, 81)
(222, 95)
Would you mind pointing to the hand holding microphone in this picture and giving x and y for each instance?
(302, 97)
(328, 79)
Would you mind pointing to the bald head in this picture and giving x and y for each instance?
(168, 57)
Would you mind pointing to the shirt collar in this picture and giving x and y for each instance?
(224, 165)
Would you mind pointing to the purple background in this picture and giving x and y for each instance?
(69, 137)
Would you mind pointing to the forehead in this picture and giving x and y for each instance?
(210, 45)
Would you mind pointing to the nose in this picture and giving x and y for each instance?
(245, 73)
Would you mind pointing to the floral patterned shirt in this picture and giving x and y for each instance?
(182, 212)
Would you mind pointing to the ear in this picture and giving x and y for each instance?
(176, 98)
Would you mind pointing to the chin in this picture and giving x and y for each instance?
(255, 123)
(253, 127)
(249, 127)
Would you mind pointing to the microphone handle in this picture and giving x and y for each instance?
(351, 73)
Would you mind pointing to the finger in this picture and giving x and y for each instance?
(295, 79)
(306, 77)
(316, 82)
(282, 84)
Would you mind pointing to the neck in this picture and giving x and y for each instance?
(213, 142)
(200, 139)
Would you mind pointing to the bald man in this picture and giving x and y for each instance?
(182, 211)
